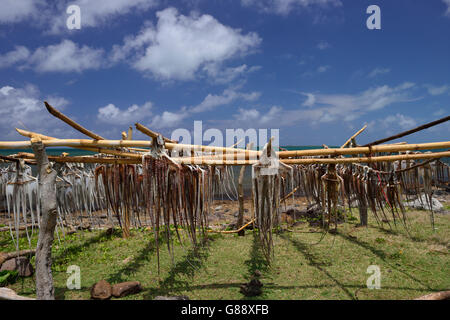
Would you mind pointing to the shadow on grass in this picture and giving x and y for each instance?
(409, 237)
(186, 268)
(305, 250)
(60, 292)
(257, 260)
(380, 254)
(74, 250)
(138, 261)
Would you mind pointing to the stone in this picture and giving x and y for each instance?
(101, 290)
(20, 264)
(171, 298)
(422, 204)
(126, 288)
(3, 257)
(218, 208)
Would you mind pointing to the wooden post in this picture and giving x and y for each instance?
(362, 206)
(240, 220)
(47, 194)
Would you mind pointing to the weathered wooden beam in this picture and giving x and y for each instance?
(354, 136)
(408, 132)
(71, 123)
(47, 179)
(152, 133)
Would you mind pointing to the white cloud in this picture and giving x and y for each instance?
(284, 7)
(378, 71)
(113, 115)
(255, 118)
(212, 101)
(323, 69)
(323, 108)
(225, 75)
(52, 16)
(447, 3)
(66, 56)
(311, 99)
(436, 91)
(168, 119)
(322, 45)
(400, 120)
(339, 105)
(24, 108)
(319, 70)
(94, 12)
(19, 54)
(179, 46)
(439, 112)
(12, 11)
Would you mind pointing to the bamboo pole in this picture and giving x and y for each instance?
(31, 134)
(365, 150)
(283, 154)
(289, 194)
(71, 123)
(306, 161)
(405, 133)
(354, 136)
(234, 231)
(151, 133)
(85, 159)
(326, 152)
(130, 133)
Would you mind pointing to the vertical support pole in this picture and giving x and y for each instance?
(240, 220)
(47, 193)
(362, 206)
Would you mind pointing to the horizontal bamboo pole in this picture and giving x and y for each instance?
(431, 155)
(31, 134)
(76, 143)
(365, 150)
(85, 159)
(90, 159)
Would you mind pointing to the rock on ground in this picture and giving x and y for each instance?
(422, 204)
(126, 288)
(20, 264)
(102, 290)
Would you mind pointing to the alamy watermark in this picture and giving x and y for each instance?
(374, 281)
(74, 19)
(74, 280)
(216, 140)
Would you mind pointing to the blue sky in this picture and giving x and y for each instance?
(310, 68)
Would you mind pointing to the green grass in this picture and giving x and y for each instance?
(335, 268)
